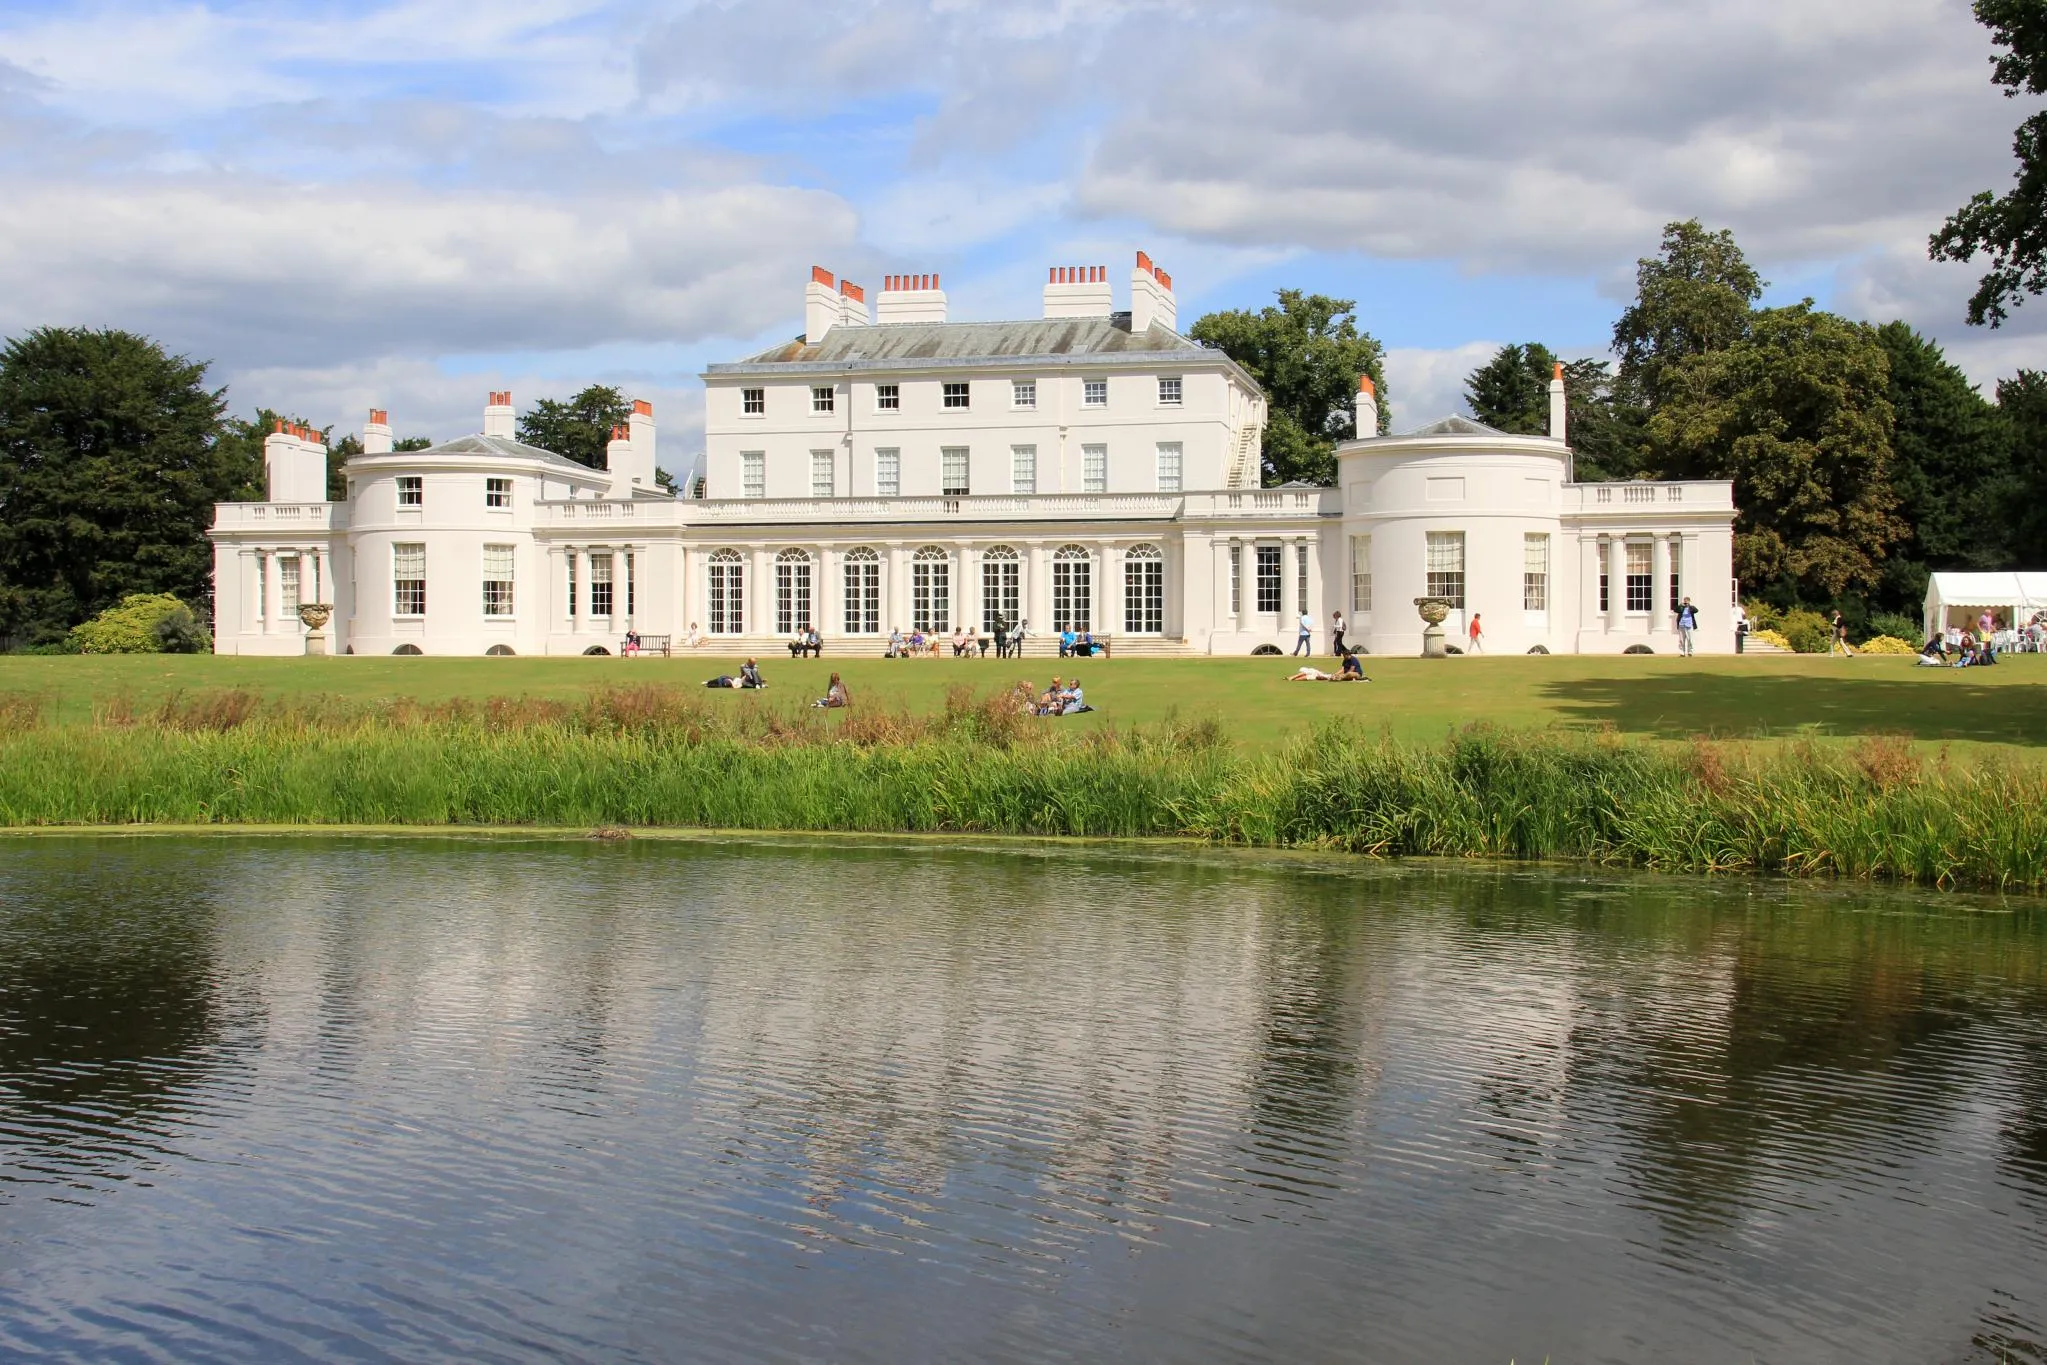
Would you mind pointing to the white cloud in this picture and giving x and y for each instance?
(1424, 384)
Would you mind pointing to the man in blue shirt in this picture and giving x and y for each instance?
(1067, 640)
(1687, 625)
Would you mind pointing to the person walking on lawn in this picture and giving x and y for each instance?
(1477, 634)
(1306, 644)
(1336, 634)
(1840, 638)
(1687, 626)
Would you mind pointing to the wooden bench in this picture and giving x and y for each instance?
(651, 644)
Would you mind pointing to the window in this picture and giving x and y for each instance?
(573, 605)
(1144, 590)
(288, 588)
(1169, 391)
(1605, 583)
(955, 395)
(753, 473)
(727, 614)
(1361, 575)
(1169, 466)
(888, 398)
(497, 492)
(792, 591)
(1094, 469)
(753, 402)
(863, 592)
(1023, 393)
(262, 587)
(931, 590)
(497, 580)
(601, 598)
(1023, 469)
(1676, 563)
(1535, 573)
(821, 473)
(1269, 599)
(1001, 587)
(1094, 393)
(411, 490)
(1641, 586)
(1236, 580)
(629, 583)
(1301, 578)
(821, 399)
(408, 579)
(888, 473)
(1073, 596)
(1446, 568)
(952, 462)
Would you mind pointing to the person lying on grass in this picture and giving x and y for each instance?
(1353, 671)
(835, 696)
(749, 676)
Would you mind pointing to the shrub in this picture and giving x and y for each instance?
(129, 628)
(179, 632)
(1808, 632)
(1774, 637)
(1888, 644)
(1897, 625)
(1762, 616)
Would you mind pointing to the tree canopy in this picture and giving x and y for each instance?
(1692, 298)
(1511, 393)
(2011, 228)
(579, 428)
(1306, 354)
(1796, 410)
(110, 463)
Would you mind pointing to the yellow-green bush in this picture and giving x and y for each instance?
(1887, 644)
(1771, 637)
(129, 628)
(1807, 632)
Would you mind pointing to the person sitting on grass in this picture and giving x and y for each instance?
(1353, 671)
(1050, 700)
(750, 675)
(1072, 702)
(1025, 695)
(1933, 654)
(835, 696)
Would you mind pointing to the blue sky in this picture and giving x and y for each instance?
(407, 204)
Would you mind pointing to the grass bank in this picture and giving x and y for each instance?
(1879, 808)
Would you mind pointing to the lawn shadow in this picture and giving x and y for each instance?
(1943, 706)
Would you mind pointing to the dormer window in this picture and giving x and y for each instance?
(411, 490)
(753, 402)
(821, 399)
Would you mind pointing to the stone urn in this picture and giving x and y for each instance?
(1433, 611)
(315, 615)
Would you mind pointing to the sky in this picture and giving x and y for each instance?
(408, 204)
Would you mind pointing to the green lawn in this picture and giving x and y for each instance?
(1659, 696)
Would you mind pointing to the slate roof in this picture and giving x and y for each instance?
(502, 447)
(1455, 426)
(919, 345)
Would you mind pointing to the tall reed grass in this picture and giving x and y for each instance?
(649, 756)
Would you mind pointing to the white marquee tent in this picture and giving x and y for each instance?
(1957, 599)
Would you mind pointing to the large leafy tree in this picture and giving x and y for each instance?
(1306, 354)
(110, 463)
(1796, 410)
(2011, 228)
(1951, 469)
(1511, 392)
(1692, 298)
(579, 428)
(2022, 402)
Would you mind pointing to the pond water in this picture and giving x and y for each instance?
(347, 1098)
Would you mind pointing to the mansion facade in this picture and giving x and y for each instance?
(1090, 469)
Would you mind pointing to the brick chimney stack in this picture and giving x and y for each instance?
(499, 417)
(1151, 297)
(910, 298)
(1077, 291)
(376, 433)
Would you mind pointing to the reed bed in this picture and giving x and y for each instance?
(647, 756)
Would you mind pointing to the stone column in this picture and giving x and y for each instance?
(761, 591)
(1616, 581)
(1660, 621)
(896, 590)
(1037, 587)
(273, 593)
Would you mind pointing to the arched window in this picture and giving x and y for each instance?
(792, 591)
(727, 583)
(1144, 590)
(931, 590)
(409, 650)
(1001, 587)
(499, 652)
(1073, 589)
(863, 591)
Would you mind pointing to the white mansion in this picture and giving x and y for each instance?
(1090, 469)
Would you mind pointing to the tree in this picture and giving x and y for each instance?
(110, 463)
(579, 428)
(1797, 412)
(1511, 392)
(2022, 403)
(1692, 299)
(1307, 355)
(2011, 229)
(1950, 467)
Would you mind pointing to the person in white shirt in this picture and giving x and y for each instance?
(1306, 644)
(1336, 646)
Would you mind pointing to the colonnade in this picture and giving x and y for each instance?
(273, 616)
(1671, 557)
(572, 568)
